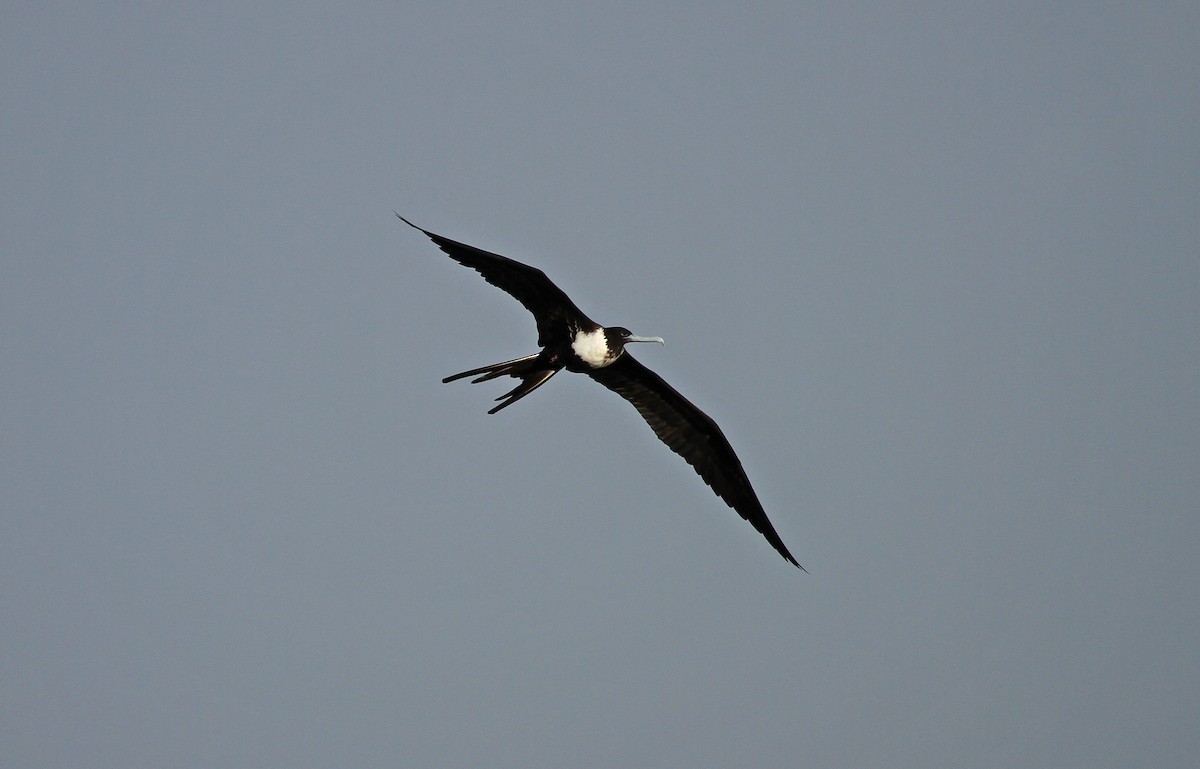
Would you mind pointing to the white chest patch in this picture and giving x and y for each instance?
(592, 348)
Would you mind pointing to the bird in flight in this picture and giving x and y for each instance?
(572, 341)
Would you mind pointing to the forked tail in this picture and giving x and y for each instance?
(532, 377)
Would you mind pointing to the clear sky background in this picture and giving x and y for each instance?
(934, 268)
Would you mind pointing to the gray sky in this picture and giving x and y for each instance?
(934, 269)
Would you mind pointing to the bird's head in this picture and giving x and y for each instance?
(619, 336)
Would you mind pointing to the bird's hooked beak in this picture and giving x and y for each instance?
(635, 338)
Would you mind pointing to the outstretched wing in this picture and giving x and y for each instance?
(553, 310)
(691, 434)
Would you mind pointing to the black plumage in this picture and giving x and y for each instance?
(571, 340)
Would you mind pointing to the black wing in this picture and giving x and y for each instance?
(693, 435)
(553, 310)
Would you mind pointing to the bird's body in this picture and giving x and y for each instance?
(572, 341)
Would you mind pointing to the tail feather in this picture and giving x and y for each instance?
(531, 376)
(532, 381)
(512, 367)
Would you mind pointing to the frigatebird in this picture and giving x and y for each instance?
(570, 340)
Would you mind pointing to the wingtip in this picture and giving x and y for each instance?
(788, 557)
(401, 218)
